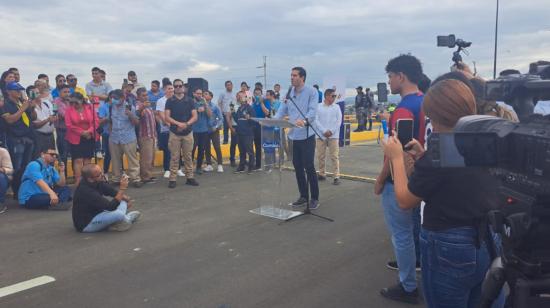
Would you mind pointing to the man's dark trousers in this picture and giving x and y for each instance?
(303, 160)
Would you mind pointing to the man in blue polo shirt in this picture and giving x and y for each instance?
(42, 187)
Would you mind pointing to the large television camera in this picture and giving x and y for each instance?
(518, 154)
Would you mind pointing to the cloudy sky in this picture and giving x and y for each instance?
(221, 40)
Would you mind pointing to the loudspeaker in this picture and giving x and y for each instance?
(382, 88)
(196, 83)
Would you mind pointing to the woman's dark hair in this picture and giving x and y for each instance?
(3, 82)
(301, 71)
(74, 97)
(407, 64)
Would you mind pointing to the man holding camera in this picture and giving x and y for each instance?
(122, 138)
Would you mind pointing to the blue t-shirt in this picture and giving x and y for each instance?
(36, 171)
(103, 112)
(258, 108)
(153, 98)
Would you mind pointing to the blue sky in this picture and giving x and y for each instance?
(221, 40)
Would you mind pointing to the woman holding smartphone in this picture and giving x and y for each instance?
(454, 248)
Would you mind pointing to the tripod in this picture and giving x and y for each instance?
(308, 125)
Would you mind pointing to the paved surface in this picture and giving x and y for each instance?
(200, 247)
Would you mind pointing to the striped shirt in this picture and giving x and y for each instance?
(147, 124)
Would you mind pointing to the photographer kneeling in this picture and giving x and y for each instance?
(92, 212)
(454, 255)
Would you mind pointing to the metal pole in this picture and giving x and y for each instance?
(496, 40)
(265, 72)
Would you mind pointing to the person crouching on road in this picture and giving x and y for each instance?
(43, 187)
(92, 212)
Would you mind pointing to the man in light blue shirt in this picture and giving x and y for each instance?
(303, 146)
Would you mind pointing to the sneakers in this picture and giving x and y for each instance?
(220, 169)
(167, 174)
(180, 173)
(172, 184)
(393, 265)
(239, 170)
(314, 204)
(300, 202)
(397, 293)
(208, 168)
(133, 216)
(336, 181)
(191, 182)
(321, 177)
(120, 226)
(99, 155)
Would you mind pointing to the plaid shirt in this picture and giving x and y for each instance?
(147, 124)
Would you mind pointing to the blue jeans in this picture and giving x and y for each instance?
(416, 231)
(21, 151)
(4, 184)
(106, 218)
(106, 152)
(453, 268)
(401, 227)
(42, 201)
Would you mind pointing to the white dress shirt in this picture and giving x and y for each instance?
(329, 118)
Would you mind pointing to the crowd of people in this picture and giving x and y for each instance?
(41, 124)
(453, 247)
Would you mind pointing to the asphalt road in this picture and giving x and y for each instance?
(201, 247)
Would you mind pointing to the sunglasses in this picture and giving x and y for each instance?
(71, 79)
(178, 86)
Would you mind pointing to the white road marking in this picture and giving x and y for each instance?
(25, 285)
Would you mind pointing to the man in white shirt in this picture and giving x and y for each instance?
(327, 122)
(45, 118)
(224, 102)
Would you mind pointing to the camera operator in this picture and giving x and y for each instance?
(454, 255)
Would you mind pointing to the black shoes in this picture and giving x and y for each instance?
(397, 293)
(301, 201)
(321, 177)
(393, 265)
(239, 170)
(336, 181)
(191, 182)
(137, 184)
(172, 184)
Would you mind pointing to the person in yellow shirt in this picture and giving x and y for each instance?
(72, 82)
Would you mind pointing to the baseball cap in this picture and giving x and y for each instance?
(14, 86)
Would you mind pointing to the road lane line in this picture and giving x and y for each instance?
(25, 285)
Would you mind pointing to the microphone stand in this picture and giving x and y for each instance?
(308, 125)
(95, 132)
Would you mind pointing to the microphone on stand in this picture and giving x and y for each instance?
(288, 93)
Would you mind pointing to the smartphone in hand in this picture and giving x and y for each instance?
(404, 129)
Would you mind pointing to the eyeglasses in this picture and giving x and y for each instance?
(178, 86)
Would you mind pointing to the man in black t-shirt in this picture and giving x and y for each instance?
(180, 113)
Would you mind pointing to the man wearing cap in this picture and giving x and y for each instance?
(18, 114)
(360, 109)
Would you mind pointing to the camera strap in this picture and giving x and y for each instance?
(484, 234)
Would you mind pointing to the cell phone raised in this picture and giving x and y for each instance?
(404, 129)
